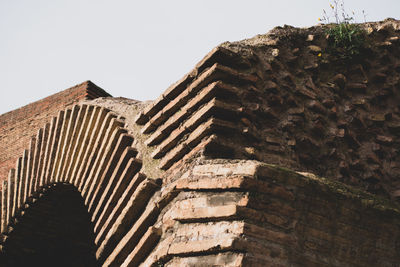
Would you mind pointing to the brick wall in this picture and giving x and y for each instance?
(285, 99)
(18, 126)
(248, 213)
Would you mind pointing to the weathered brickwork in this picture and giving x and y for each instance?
(18, 126)
(225, 168)
(269, 216)
(287, 101)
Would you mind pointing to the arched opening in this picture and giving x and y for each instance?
(54, 231)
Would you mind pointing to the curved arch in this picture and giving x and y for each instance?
(213, 208)
(55, 231)
(87, 147)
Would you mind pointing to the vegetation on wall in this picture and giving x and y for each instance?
(345, 37)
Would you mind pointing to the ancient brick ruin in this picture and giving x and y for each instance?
(270, 152)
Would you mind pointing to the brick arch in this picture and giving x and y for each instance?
(55, 231)
(216, 133)
(87, 147)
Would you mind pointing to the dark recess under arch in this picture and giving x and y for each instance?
(54, 231)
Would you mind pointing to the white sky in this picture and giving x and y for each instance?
(134, 49)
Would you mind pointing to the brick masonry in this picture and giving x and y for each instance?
(18, 126)
(286, 103)
(224, 168)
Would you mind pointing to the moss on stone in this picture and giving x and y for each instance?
(366, 199)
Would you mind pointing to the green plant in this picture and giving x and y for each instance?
(346, 38)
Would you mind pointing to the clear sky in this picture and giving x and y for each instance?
(134, 49)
